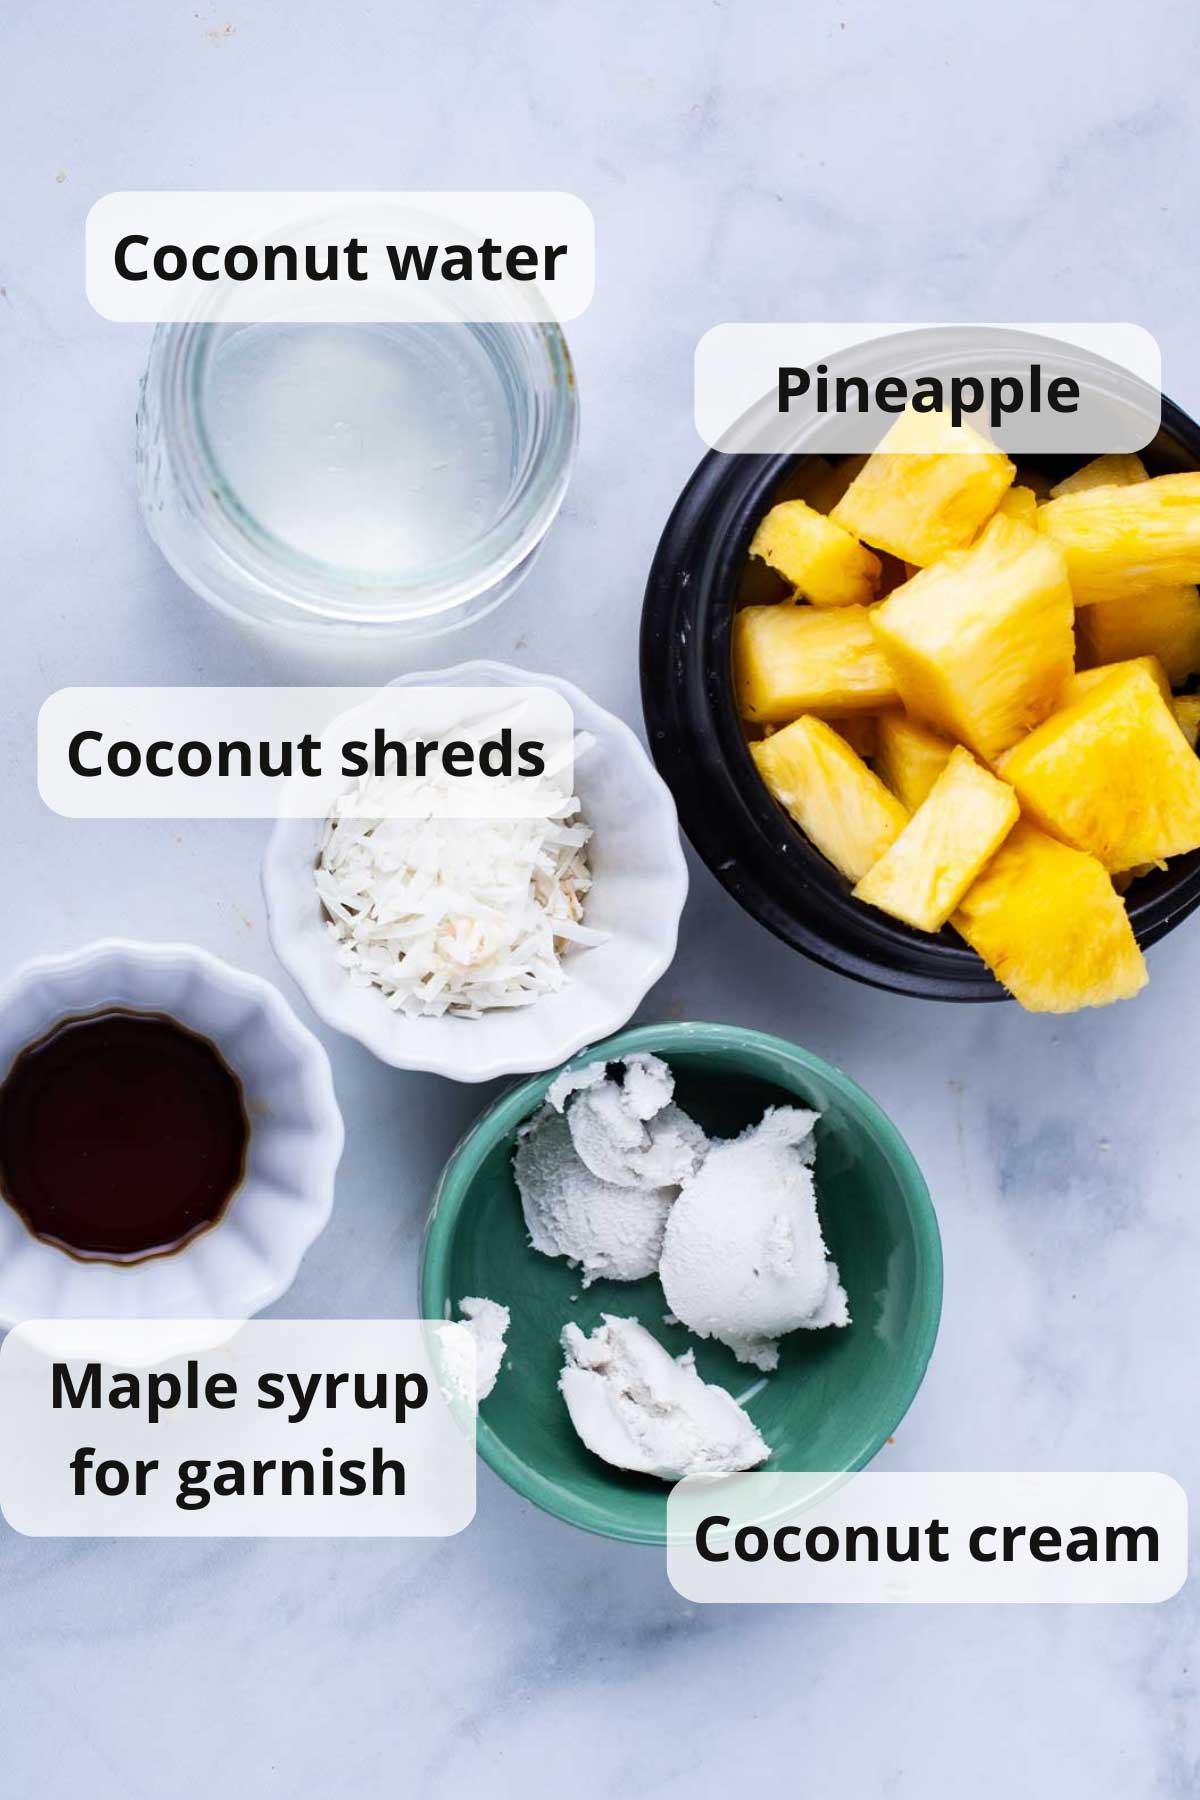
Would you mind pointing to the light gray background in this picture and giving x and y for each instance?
(742, 161)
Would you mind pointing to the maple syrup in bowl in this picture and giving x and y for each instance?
(169, 1137)
(122, 1134)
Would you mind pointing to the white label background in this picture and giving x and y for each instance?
(436, 1443)
(277, 715)
(190, 220)
(961, 1501)
(737, 372)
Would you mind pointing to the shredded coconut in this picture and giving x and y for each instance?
(453, 915)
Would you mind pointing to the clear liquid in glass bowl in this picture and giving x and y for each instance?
(395, 476)
(378, 450)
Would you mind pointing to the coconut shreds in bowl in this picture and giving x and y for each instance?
(455, 915)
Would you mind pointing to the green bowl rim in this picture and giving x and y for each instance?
(501, 1119)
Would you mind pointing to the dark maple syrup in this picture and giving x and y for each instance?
(122, 1135)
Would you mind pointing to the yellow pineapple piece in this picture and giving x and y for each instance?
(1119, 541)
(1112, 773)
(1084, 680)
(1020, 503)
(861, 732)
(789, 659)
(1102, 471)
(924, 874)
(822, 562)
(1049, 924)
(981, 643)
(826, 489)
(834, 798)
(1187, 712)
(908, 756)
(1162, 622)
(927, 488)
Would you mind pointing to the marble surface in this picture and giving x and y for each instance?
(762, 161)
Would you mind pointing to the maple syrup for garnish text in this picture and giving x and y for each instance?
(122, 1135)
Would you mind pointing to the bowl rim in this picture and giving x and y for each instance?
(519, 1101)
(328, 1127)
(389, 1043)
(757, 853)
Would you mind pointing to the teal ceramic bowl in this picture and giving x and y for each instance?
(836, 1397)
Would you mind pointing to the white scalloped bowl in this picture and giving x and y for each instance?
(639, 885)
(250, 1256)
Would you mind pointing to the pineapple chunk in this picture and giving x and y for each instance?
(909, 757)
(861, 732)
(1076, 686)
(788, 660)
(1048, 923)
(1162, 622)
(1020, 503)
(826, 489)
(830, 792)
(927, 489)
(1119, 541)
(1102, 471)
(981, 643)
(923, 875)
(1187, 712)
(1112, 773)
(822, 562)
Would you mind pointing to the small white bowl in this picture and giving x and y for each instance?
(639, 884)
(250, 1256)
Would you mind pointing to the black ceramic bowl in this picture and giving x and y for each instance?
(699, 576)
